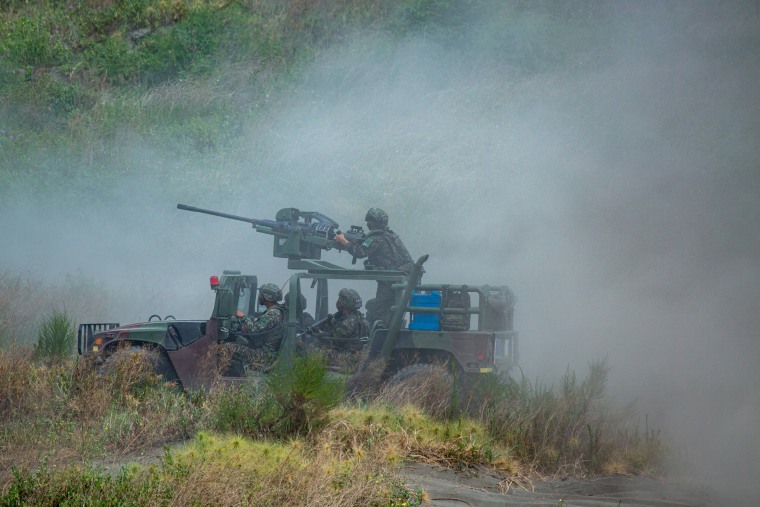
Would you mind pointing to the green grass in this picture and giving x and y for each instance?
(56, 338)
(80, 81)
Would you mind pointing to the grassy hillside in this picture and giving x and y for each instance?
(190, 75)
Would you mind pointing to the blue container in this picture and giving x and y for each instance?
(426, 321)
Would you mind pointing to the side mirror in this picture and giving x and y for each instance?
(224, 306)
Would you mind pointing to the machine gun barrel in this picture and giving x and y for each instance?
(251, 221)
(297, 234)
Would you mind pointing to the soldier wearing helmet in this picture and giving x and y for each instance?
(254, 341)
(383, 249)
(269, 328)
(345, 329)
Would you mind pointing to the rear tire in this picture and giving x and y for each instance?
(429, 386)
(408, 373)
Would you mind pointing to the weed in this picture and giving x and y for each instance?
(572, 430)
(302, 396)
(238, 409)
(82, 485)
(231, 470)
(68, 409)
(429, 386)
(17, 382)
(56, 338)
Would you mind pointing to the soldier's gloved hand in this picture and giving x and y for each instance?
(236, 322)
(340, 238)
(331, 319)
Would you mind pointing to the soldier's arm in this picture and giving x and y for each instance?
(256, 326)
(359, 250)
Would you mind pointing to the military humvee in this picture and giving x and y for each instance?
(427, 327)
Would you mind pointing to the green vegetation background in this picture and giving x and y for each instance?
(82, 81)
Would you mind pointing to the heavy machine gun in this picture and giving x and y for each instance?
(297, 234)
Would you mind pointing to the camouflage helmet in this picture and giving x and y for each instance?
(377, 216)
(270, 292)
(350, 299)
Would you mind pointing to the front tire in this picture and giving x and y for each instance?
(132, 359)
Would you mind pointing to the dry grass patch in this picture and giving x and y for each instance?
(430, 387)
(69, 411)
(407, 433)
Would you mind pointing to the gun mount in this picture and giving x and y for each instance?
(298, 235)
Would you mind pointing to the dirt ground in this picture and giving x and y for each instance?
(482, 487)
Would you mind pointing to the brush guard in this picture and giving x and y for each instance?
(87, 332)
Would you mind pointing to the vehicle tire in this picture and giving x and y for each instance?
(429, 386)
(119, 355)
(158, 359)
(417, 370)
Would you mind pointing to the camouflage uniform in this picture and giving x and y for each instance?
(344, 330)
(348, 325)
(383, 249)
(261, 337)
(242, 358)
(273, 319)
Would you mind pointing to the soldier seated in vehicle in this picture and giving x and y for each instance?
(255, 342)
(346, 329)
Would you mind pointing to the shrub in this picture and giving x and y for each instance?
(16, 387)
(83, 485)
(56, 337)
(29, 41)
(303, 396)
(237, 409)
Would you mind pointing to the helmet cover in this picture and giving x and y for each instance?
(270, 292)
(350, 299)
(377, 216)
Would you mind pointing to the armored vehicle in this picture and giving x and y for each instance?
(430, 324)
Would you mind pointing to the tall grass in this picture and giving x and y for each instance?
(67, 410)
(224, 470)
(56, 337)
(570, 431)
(66, 413)
(282, 442)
